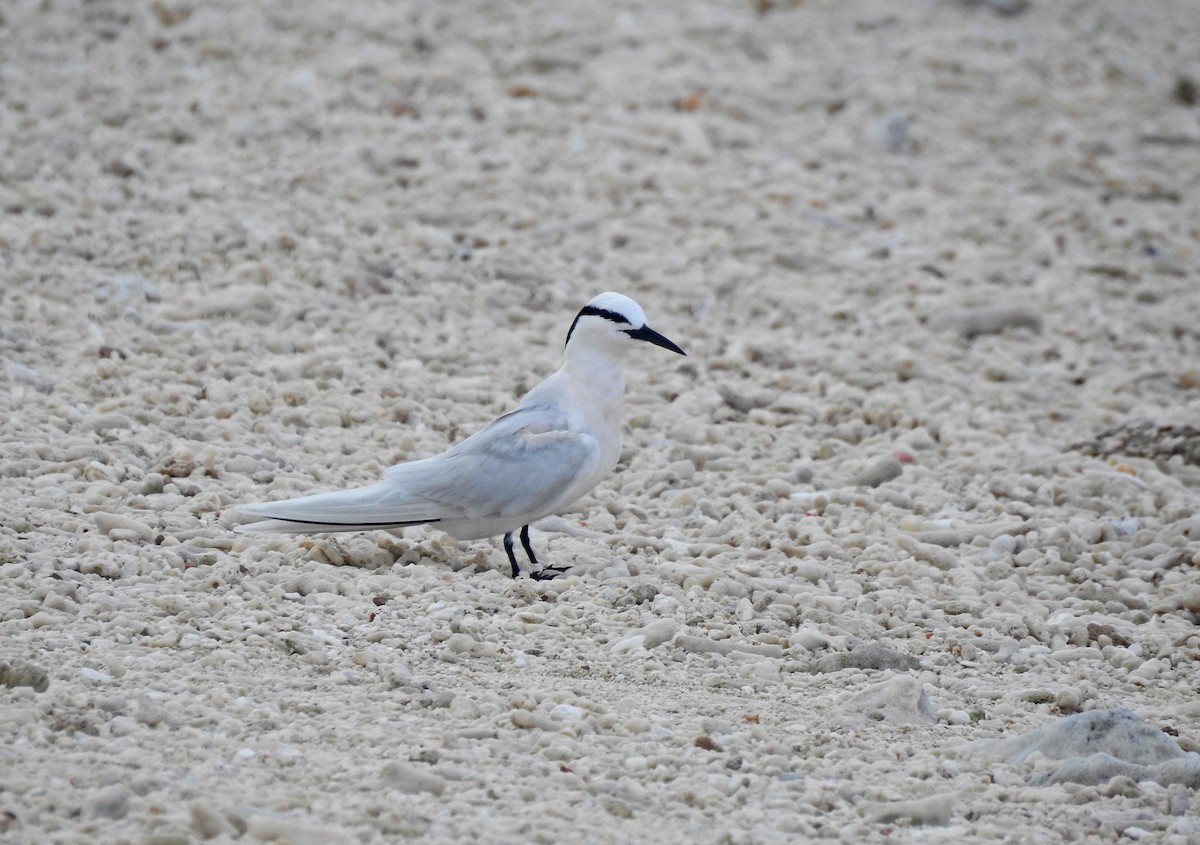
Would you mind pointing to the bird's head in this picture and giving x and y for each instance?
(611, 321)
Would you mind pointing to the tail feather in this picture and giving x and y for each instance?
(376, 506)
(284, 526)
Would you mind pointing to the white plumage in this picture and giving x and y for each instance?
(557, 444)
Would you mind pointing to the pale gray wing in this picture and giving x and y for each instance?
(519, 466)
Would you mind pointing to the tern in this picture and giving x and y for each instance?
(538, 459)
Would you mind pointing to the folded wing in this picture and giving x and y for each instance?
(518, 467)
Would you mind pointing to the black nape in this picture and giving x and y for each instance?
(593, 311)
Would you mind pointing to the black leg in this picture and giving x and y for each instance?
(512, 556)
(525, 544)
(546, 572)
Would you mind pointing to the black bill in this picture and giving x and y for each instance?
(651, 336)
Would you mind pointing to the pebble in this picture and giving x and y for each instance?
(932, 553)
(880, 472)
(207, 821)
(188, 641)
(933, 809)
(955, 537)
(1095, 747)
(701, 645)
(123, 726)
(528, 720)
(900, 700)
(953, 717)
(692, 139)
(1103, 768)
(638, 725)
(153, 483)
(1117, 733)
(274, 828)
(461, 644)
(105, 423)
(1179, 799)
(656, 633)
(567, 713)
(628, 644)
(108, 523)
(412, 780)
(24, 675)
(891, 132)
(1068, 700)
(809, 638)
(107, 802)
(988, 319)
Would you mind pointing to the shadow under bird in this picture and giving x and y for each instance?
(538, 459)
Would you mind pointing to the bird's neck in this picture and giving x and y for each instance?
(598, 374)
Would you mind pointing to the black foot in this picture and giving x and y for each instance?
(543, 574)
(548, 573)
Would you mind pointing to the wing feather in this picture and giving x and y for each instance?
(519, 466)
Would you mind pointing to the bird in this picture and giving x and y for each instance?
(554, 447)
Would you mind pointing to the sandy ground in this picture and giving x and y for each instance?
(866, 545)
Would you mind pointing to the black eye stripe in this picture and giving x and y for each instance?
(593, 311)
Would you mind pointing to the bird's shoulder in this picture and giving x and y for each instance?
(518, 465)
(530, 426)
(525, 427)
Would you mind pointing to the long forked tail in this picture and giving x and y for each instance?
(293, 526)
(377, 506)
